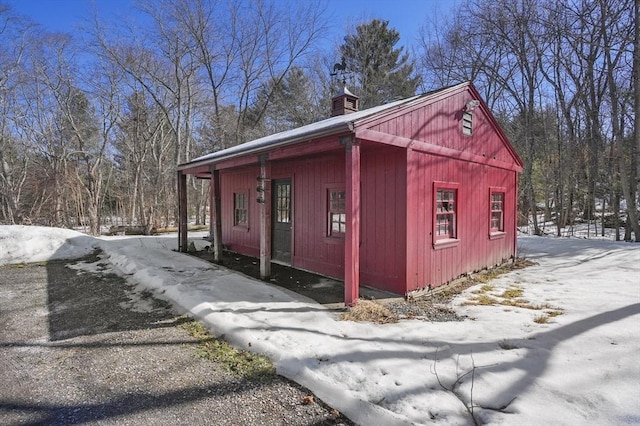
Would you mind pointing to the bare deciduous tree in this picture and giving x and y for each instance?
(566, 61)
(14, 161)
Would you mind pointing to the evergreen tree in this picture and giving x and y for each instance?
(379, 72)
(286, 104)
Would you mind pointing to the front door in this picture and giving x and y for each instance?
(281, 214)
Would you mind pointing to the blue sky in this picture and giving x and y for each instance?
(406, 16)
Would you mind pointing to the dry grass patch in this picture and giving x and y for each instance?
(521, 263)
(482, 299)
(501, 300)
(541, 319)
(369, 311)
(444, 294)
(243, 364)
(517, 303)
(484, 289)
(511, 297)
(542, 307)
(545, 317)
(512, 293)
(489, 275)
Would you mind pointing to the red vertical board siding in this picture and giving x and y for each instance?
(383, 214)
(382, 256)
(241, 240)
(311, 178)
(396, 251)
(475, 250)
(439, 123)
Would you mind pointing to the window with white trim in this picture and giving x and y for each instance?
(496, 214)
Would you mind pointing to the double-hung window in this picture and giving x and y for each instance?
(445, 215)
(240, 209)
(496, 213)
(336, 212)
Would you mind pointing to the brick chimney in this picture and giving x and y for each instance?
(344, 102)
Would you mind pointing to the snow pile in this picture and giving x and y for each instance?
(23, 244)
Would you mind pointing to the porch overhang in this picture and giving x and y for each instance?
(304, 143)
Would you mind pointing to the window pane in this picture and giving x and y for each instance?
(240, 213)
(335, 224)
(445, 212)
(496, 201)
(336, 212)
(283, 203)
(496, 220)
(497, 213)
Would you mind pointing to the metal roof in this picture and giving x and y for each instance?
(310, 131)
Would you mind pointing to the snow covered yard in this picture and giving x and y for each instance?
(558, 343)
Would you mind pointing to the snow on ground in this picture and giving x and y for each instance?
(501, 366)
(37, 244)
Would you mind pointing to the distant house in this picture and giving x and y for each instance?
(400, 197)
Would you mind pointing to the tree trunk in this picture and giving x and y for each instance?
(628, 185)
(635, 146)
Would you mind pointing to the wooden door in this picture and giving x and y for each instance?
(282, 220)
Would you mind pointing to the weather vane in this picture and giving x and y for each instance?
(340, 68)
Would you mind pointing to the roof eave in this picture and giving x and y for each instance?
(314, 134)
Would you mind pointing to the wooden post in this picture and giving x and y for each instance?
(352, 235)
(212, 213)
(264, 201)
(215, 227)
(183, 243)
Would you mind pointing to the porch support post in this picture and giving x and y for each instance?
(183, 243)
(215, 224)
(264, 201)
(352, 235)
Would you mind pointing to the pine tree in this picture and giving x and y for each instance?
(378, 72)
(285, 104)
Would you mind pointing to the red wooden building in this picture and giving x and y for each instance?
(400, 197)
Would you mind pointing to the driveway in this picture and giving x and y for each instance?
(79, 347)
